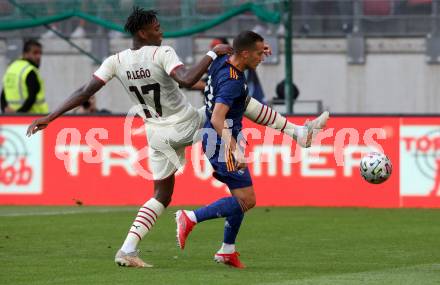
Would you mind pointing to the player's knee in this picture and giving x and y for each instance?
(249, 202)
(246, 198)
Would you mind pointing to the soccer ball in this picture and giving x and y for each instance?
(376, 167)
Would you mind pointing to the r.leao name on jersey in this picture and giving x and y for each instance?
(138, 74)
(145, 75)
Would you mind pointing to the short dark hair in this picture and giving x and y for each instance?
(28, 44)
(246, 40)
(138, 18)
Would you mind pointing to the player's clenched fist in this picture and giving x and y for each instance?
(222, 49)
(267, 49)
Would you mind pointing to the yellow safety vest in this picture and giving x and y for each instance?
(15, 88)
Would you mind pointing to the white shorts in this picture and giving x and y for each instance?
(167, 144)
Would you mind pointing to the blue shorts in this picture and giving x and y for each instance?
(225, 169)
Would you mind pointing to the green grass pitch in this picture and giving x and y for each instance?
(76, 245)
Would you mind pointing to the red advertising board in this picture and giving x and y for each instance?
(86, 159)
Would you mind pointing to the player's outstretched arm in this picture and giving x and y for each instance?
(76, 99)
(187, 77)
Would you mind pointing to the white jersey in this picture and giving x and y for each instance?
(145, 75)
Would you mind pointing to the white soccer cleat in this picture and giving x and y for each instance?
(130, 260)
(311, 129)
(320, 122)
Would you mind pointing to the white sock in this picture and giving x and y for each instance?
(227, 248)
(266, 116)
(143, 223)
(191, 215)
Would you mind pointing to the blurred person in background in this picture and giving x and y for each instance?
(23, 87)
(280, 91)
(280, 98)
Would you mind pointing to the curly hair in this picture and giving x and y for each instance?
(138, 18)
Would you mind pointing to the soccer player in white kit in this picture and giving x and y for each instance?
(151, 75)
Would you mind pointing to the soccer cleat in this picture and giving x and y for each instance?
(130, 259)
(311, 128)
(184, 227)
(320, 122)
(230, 259)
